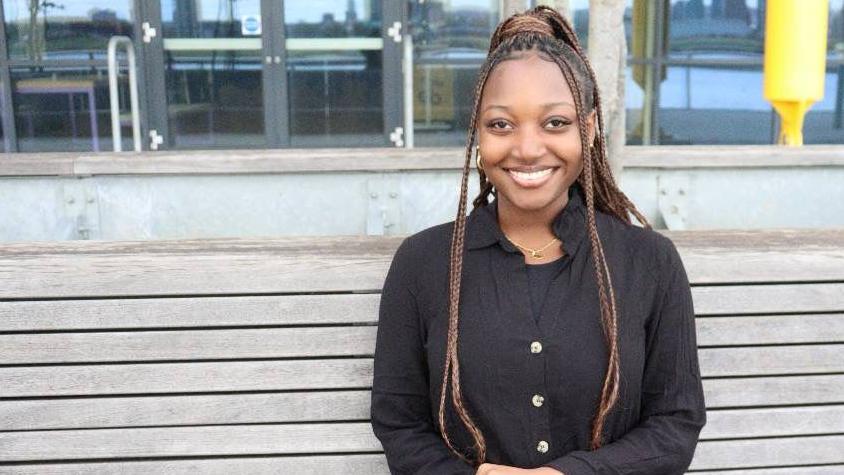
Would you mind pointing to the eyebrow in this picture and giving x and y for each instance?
(544, 106)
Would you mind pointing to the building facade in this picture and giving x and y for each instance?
(238, 74)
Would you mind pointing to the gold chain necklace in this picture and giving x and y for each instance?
(535, 253)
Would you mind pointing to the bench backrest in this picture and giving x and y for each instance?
(256, 355)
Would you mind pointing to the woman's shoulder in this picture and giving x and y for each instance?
(651, 248)
(423, 247)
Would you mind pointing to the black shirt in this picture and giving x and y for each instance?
(539, 279)
(507, 358)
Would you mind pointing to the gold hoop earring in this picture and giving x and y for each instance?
(478, 160)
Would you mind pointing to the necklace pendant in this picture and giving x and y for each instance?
(536, 254)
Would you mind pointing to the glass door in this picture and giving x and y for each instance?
(211, 56)
(267, 73)
(336, 69)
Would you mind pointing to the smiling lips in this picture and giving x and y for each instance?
(530, 177)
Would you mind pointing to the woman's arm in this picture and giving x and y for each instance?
(400, 404)
(673, 410)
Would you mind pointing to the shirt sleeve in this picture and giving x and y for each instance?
(401, 408)
(673, 409)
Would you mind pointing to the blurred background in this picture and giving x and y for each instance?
(323, 73)
(328, 117)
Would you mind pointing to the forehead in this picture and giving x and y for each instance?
(526, 80)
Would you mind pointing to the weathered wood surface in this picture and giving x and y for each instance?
(315, 438)
(359, 264)
(350, 309)
(43, 348)
(185, 312)
(387, 159)
(347, 464)
(347, 437)
(219, 347)
(245, 408)
(331, 373)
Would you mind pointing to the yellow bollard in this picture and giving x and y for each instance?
(795, 61)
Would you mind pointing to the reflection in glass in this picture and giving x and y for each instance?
(332, 18)
(334, 72)
(63, 110)
(716, 28)
(64, 29)
(210, 18)
(214, 98)
(450, 42)
(335, 98)
(213, 72)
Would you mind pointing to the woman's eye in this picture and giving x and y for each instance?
(557, 123)
(498, 124)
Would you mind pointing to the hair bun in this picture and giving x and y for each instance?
(541, 21)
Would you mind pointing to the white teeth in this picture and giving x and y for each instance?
(531, 175)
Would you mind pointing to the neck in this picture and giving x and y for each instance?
(530, 227)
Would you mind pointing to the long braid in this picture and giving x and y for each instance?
(555, 37)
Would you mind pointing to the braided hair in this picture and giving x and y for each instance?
(544, 30)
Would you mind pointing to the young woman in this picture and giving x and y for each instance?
(544, 333)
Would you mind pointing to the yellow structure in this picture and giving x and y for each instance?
(795, 61)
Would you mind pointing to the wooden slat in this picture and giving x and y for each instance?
(345, 405)
(767, 330)
(188, 312)
(88, 413)
(770, 422)
(353, 464)
(188, 441)
(769, 298)
(347, 437)
(348, 263)
(343, 373)
(325, 406)
(341, 406)
(200, 345)
(774, 391)
(770, 360)
(157, 378)
(187, 345)
(773, 452)
(54, 315)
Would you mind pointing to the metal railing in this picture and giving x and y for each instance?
(116, 134)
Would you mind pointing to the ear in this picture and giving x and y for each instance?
(592, 125)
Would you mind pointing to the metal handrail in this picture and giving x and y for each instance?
(117, 137)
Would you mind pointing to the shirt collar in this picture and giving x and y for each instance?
(482, 228)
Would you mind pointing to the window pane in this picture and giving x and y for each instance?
(450, 42)
(335, 98)
(334, 72)
(213, 72)
(716, 28)
(215, 98)
(64, 110)
(64, 29)
(332, 18)
(696, 108)
(210, 18)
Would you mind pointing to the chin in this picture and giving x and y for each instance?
(533, 200)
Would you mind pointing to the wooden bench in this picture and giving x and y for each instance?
(254, 356)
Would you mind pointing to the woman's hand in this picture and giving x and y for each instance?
(493, 469)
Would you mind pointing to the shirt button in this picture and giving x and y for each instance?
(537, 400)
(535, 347)
(542, 446)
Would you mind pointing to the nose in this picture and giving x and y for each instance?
(529, 145)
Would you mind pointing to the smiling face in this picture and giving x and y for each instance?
(528, 133)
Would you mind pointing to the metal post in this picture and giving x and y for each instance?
(116, 135)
